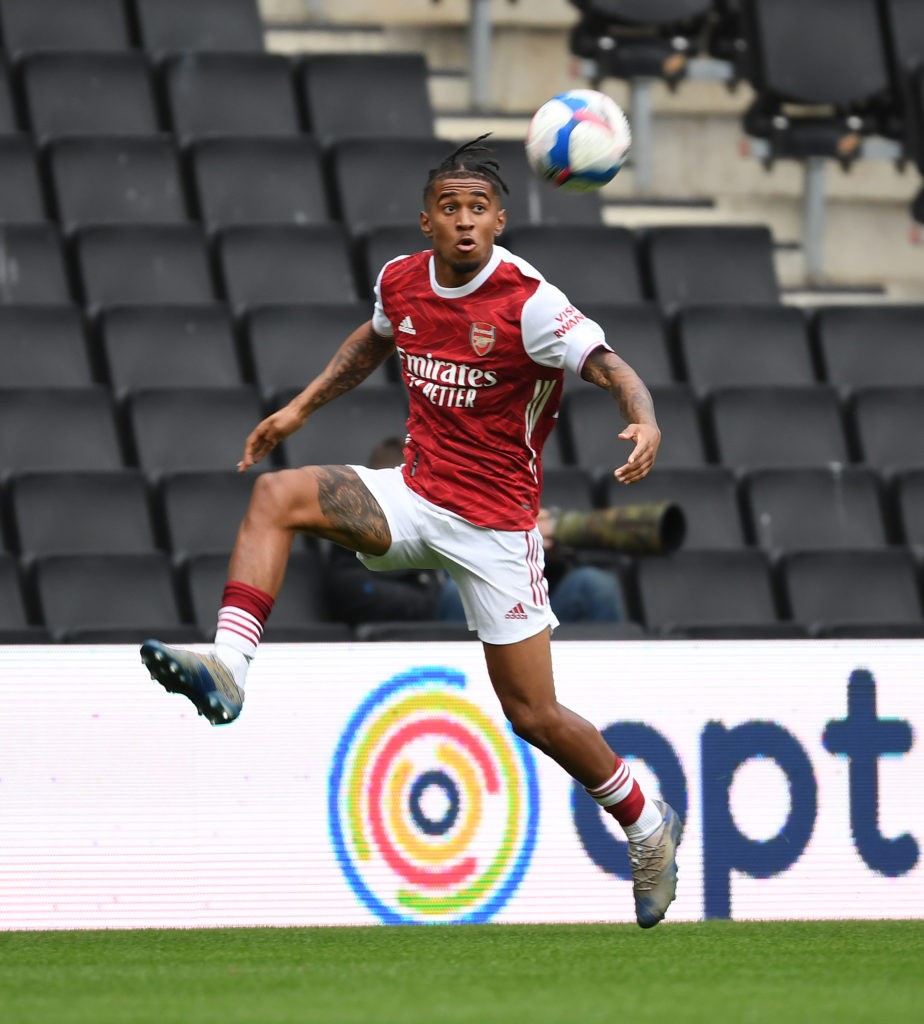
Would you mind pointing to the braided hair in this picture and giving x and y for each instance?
(470, 160)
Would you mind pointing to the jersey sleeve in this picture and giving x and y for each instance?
(556, 333)
(382, 326)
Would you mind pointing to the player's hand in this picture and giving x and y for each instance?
(266, 435)
(647, 440)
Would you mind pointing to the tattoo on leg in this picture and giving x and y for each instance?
(351, 510)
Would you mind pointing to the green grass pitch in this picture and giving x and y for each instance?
(785, 972)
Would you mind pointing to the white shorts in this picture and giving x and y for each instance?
(499, 573)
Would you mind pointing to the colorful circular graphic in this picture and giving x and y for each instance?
(433, 807)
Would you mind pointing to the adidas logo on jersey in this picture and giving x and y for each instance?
(407, 326)
(516, 612)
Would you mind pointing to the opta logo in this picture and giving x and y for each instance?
(433, 807)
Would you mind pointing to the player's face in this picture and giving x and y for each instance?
(462, 219)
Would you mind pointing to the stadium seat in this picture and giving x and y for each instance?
(201, 511)
(21, 199)
(287, 344)
(9, 116)
(889, 423)
(16, 614)
(814, 509)
(259, 181)
(836, 589)
(32, 267)
(345, 431)
(777, 427)
(817, 92)
(43, 346)
(707, 496)
(363, 94)
(301, 601)
(710, 265)
(909, 505)
(718, 589)
(68, 93)
(595, 631)
(592, 423)
(143, 265)
(134, 594)
(285, 264)
(871, 346)
(638, 334)
(639, 38)
(589, 264)
(358, 168)
(58, 429)
(106, 513)
(567, 487)
(414, 632)
(728, 346)
(191, 428)
(168, 346)
(173, 26)
(248, 94)
(116, 181)
(29, 25)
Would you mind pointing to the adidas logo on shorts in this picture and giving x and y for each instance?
(516, 612)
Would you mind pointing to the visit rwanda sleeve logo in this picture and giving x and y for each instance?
(433, 806)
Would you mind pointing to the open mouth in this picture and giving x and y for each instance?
(465, 245)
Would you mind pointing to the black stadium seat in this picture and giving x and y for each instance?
(589, 263)
(43, 346)
(191, 428)
(869, 346)
(33, 268)
(638, 334)
(116, 181)
(16, 620)
(21, 199)
(134, 594)
(815, 508)
(106, 512)
(29, 25)
(168, 346)
(71, 93)
(143, 264)
(889, 423)
(259, 181)
(9, 116)
(348, 94)
(285, 263)
(249, 94)
(727, 346)
(201, 511)
(293, 344)
(58, 429)
(173, 26)
(762, 427)
(710, 265)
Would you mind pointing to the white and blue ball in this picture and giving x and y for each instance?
(578, 140)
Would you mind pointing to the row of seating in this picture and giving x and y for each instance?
(122, 597)
(330, 96)
(162, 429)
(189, 513)
(112, 25)
(273, 346)
(113, 264)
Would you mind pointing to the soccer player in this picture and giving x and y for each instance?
(483, 341)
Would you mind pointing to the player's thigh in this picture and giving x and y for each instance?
(521, 673)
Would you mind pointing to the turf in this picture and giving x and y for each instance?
(714, 971)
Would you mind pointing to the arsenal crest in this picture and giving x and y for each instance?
(482, 337)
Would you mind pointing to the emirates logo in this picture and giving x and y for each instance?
(482, 337)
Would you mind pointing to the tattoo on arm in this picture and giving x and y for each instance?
(362, 353)
(355, 519)
(608, 371)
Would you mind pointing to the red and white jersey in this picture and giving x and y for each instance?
(483, 365)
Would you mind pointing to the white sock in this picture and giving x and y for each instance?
(238, 663)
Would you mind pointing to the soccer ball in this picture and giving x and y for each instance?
(578, 140)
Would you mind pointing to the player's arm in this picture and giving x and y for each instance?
(362, 353)
(605, 369)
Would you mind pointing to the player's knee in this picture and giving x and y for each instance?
(275, 497)
(534, 723)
